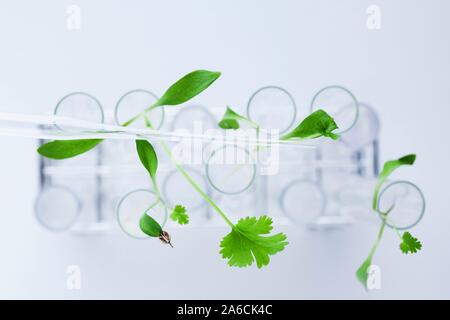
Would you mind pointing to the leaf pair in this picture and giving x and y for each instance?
(181, 91)
(246, 243)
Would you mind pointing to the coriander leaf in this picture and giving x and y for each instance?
(317, 124)
(230, 120)
(64, 149)
(388, 168)
(179, 215)
(410, 244)
(148, 157)
(149, 226)
(244, 244)
(187, 87)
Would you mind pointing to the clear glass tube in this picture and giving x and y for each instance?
(365, 130)
(193, 118)
(80, 106)
(176, 190)
(303, 201)
(407, 201)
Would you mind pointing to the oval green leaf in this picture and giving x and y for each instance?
(150, 226)
(148, 157)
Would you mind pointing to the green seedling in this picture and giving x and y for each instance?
(317, 124)
(409, 244)
(249, 239)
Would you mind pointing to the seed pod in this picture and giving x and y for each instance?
(165, 238)
(150, 226)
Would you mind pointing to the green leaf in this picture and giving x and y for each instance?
(150, 226)
(179, 215)
(187, 87)
(317, 124)
(64, 149)
(410, 244)
(245, 243)
(361, 274)
(230, 120)
(388, 168)
(148, 157)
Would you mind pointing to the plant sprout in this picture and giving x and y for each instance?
(317, 124)
(408, 244)
(247, 242)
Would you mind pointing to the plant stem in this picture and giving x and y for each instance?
(195, 185)
(179, 167)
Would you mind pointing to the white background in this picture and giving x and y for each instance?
(403, 70)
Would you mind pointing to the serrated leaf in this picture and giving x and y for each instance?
(410, 244)
(317, 124)
(246, 244)
(148, 157)
(150, 226)
(187, 87)
(64, 149)
(179, 215)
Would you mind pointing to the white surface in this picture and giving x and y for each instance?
(403, 70)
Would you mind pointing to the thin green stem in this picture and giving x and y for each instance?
(179, 167)
(195, 185)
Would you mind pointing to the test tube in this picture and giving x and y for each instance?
(407, 201)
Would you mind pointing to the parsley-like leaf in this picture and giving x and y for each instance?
(245, 243)
(317, 124)
(410, 244)
(179, 215)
